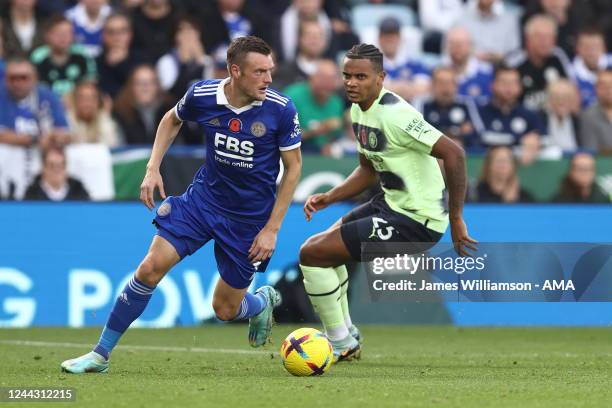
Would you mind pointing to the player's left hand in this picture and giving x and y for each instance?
(263, 245)
(461, 240)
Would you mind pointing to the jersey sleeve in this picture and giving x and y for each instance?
(411, 129)
(185, 109)
(289, 133)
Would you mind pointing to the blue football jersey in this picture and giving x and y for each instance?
(35, 115)
(497, 127)
(243, 145)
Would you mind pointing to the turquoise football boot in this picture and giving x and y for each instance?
(91, 362)
(260, 325)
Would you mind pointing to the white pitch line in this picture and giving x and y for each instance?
(29, 343)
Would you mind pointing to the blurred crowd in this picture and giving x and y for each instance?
(515, 81)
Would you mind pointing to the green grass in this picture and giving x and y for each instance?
(401, 366)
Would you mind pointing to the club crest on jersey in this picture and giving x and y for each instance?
(372, 140)
(258, 129)
(235, 125)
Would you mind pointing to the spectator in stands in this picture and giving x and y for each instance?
(53, 183)
(408, 78)
(541, 62)
(301, 10)
(21, 28)
(31, 114)
(118, 59)
(312, 45)
(494, 30)
(437, 17)
(504, 121)
(445, 111)
(60, 63)
(89, 117)
(596, 122)
(474, 76)
(320, 109)
(152, 24)
(140, 106)
(579, 185)
(499, 182)
(338, 32)
(560, 125)
(187, 62)
(591, 57)
(567, 20)
(88, 18)
(224, 20)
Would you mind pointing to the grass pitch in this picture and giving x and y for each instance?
(213, 366)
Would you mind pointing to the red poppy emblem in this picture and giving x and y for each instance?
(235, 125)
(363, 136)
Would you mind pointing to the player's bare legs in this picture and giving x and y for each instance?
(226, 300)
(322, 259)
(160, 258)
(231, 303)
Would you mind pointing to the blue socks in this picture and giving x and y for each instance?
(134, 299)
(251, 305)
(128, 307)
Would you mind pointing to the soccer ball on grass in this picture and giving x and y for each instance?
(306, 352)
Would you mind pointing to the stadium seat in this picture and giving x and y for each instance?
(18, 167)
(94, 166)
(90, 163)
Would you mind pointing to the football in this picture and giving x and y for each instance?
(306, 352)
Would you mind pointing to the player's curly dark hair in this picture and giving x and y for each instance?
(241, 46)
(369, 52)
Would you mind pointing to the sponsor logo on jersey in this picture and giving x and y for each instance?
(229, 147)
(296, 127)
(258, 129)
(235, 125)
(214, 122)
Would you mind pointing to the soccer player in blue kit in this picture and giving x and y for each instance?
(249, 129)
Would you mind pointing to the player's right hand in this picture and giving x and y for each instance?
(152, 180)
(315, 203)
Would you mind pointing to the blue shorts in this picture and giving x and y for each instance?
(188, 227)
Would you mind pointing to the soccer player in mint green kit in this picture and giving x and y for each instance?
(399, 148)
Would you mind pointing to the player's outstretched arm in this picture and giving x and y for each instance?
(363, 177)
(166, 133)
(453, 157)
(265, 242)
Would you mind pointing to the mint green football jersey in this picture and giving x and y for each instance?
(397, 140)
